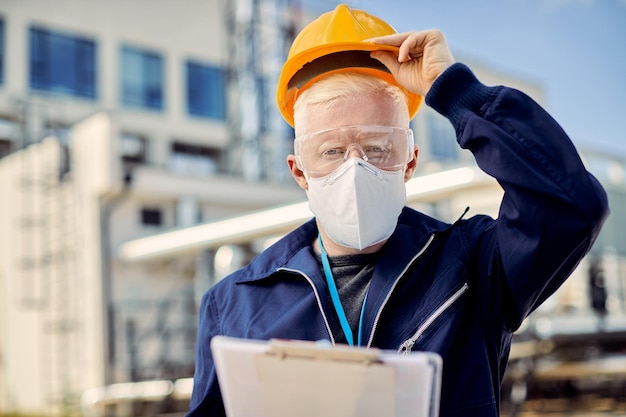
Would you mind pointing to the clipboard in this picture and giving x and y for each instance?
(283, 378)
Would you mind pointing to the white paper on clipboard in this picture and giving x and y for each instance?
(307, 379)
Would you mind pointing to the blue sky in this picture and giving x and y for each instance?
(575, 49)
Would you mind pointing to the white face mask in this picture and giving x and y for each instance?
(358, 204)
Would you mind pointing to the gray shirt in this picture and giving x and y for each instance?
(352, 275)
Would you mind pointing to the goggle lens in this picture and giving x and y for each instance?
(386, 147)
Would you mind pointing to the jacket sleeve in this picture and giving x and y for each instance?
(552, 209)
(206, 399)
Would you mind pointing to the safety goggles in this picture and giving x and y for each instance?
(386, 147)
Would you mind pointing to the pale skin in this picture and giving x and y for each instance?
(421, 58)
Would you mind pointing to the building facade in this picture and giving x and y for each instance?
(120, 120)
(123, 120)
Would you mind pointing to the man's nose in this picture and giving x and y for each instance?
(355, 151)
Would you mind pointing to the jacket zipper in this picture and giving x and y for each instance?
(382, 306)
(317, 297)
(408, 344)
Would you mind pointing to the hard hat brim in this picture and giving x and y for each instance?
(309, 66)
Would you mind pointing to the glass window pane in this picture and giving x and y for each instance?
(142, 79)
(62, 64)
(442, 139)
(38, 62)
(206, 91)
(191, 159)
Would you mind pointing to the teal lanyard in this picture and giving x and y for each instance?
(334, 295)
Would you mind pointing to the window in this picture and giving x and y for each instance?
(133, 148)
(193, 159)
(442, 139)
(206, 91)
(62, 64)
(133, 153)
(142, 79)
(1, 51)
(151, 217)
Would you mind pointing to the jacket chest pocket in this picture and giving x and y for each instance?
(448, 304)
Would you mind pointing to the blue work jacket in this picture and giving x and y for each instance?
(460, 289)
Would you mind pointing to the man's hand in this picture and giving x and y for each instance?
(422, 57)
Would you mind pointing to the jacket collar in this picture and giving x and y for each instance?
(294, 253)
(294, 250)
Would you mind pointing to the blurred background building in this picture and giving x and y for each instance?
(124, 126)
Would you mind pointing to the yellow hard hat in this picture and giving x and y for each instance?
(332, 43)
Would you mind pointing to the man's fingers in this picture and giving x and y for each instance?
(388, 59)
(422, 56)
(410, 43)
(393, 40)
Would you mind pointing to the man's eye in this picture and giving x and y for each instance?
(332, 152)
(376, 150)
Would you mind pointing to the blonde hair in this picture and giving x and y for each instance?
(341, 85)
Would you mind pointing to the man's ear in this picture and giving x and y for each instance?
(411, 166)
(296, 172)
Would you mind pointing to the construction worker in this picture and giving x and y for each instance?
(368, 271)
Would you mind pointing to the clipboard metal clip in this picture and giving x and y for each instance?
(295, 349)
